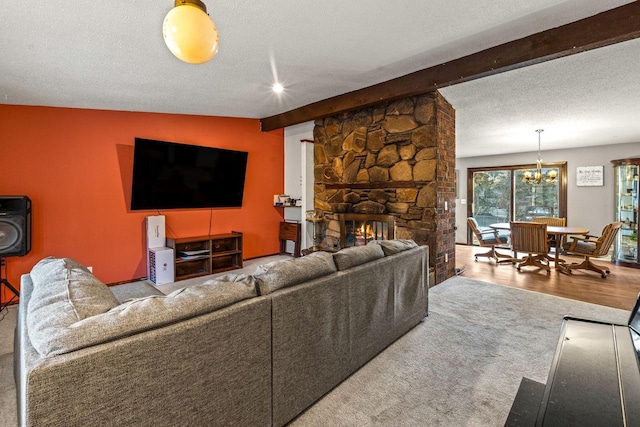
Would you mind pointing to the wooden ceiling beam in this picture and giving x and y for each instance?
(606, 28)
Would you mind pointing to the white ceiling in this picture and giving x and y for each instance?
(110, 55)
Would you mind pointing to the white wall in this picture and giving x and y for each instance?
(296, 175)
(590, 207)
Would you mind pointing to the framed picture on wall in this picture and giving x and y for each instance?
(590, 176)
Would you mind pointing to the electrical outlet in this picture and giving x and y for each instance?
(446, 257)
(90, 268)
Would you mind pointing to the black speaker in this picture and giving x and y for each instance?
(15, 226)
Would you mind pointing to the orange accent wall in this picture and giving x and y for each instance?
(76, 166)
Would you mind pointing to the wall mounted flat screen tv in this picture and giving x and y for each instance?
(167, 175)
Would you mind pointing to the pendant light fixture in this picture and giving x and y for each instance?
(536, 177)
(189, 32)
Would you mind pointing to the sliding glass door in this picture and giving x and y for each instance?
(491, 196)
(510, 193)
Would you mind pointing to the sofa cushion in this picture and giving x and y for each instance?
(586, 248)
(139, 289)
(64, 292)
(140, 314)
(350, 257)
(390, 247)
(281, 274)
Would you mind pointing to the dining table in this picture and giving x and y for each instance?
(552, 230)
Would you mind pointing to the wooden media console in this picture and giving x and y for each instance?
(202, 255)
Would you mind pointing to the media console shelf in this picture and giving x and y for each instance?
(202, 255)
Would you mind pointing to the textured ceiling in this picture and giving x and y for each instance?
(110, 55)
(592, 98)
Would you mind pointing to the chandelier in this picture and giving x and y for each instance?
(536, 176)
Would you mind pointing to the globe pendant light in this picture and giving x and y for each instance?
(189, 32)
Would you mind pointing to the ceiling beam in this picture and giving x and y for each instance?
(606, 28)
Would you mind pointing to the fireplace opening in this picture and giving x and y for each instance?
(360, 229)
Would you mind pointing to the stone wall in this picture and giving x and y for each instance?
(397, 158)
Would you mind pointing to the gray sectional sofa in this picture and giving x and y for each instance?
(237, 350)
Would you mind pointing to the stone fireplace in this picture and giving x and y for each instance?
(396, 159)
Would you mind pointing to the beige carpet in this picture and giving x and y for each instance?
(460, 367)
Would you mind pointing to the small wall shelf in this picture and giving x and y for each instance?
(202, 255)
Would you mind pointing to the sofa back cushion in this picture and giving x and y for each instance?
(65, 282)
(281, 274)
(138, 315)
(64, 292)
(391, 247)
(350, 257)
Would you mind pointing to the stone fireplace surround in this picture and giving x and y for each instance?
(396, 159)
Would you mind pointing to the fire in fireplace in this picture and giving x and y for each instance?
(360, 229)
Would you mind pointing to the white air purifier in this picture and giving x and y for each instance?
(161, 261)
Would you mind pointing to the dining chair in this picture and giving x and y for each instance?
(531, 238)
(550, 220)
(553, 221)
(591, 247)
(489, 238)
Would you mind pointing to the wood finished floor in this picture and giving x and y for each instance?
(619, 290)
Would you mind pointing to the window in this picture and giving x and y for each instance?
(502, 194)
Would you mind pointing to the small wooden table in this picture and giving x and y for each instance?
(551, 230)
(290, 231)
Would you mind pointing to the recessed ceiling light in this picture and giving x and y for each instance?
(277, 88)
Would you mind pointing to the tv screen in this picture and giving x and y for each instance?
(167, 175)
